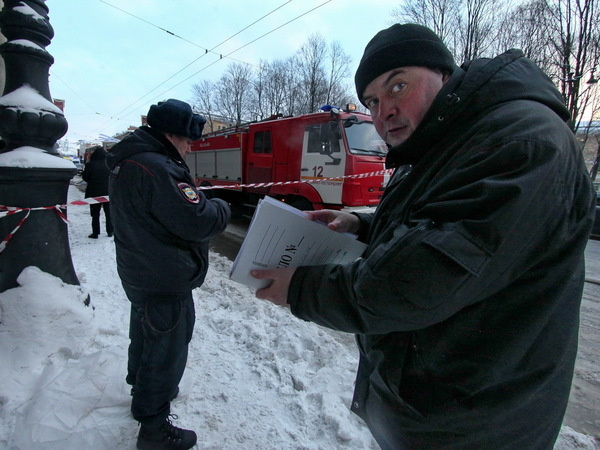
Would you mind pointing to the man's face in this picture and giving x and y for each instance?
(181, 143)
(400, 98)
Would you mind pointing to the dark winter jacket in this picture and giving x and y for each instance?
(466, 303)
(162, 223)
(95, 173)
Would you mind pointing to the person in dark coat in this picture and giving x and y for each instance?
(95, 173)
(466, 302)
(162, 229)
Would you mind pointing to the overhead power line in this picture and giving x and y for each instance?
(206, 51)
(76, 94)
(152, 24)
(201, 56)
(243, 46)
(221, 56)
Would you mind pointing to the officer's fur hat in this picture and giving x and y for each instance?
(176, 117)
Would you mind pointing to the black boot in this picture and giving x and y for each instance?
(165, 437)
(93, 236)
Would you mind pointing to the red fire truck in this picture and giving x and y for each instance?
(312, 161)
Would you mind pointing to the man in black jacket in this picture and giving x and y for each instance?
(162, 227)
(466, 302)
(95, 174)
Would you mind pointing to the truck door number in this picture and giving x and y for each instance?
(317, 171)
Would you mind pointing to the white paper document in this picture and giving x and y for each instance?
(281, 236)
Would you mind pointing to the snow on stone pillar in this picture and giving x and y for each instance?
(33, 177)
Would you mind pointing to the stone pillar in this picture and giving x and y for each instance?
(32, 174)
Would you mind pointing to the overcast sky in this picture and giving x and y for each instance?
(113, 59)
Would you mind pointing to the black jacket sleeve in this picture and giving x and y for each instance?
(182, 210)
(492, 217)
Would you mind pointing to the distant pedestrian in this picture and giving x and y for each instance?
(95, 173)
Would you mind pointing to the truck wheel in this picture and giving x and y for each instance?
(300, 203)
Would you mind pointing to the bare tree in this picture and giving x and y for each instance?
(442, 16)
(467, 27)
(233, 92)
(203, 94)
(300, 84)
(476, 28)
(272, 87)
(561, 36)
(574, 42)
(313, 78)
(293, 96)
(526, 27)
(339, 67)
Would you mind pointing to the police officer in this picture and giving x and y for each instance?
(162, 227)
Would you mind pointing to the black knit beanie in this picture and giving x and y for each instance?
(400, 46)
(176, 117)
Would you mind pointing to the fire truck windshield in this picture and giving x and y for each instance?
(363, 139)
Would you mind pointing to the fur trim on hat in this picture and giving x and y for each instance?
(176, 117)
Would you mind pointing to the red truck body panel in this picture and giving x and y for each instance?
(305, 160)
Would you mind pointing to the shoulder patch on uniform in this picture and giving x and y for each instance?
(115, 172)
(188, 192)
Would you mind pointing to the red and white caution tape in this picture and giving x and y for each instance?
(6, 210)
(90, 201)
(9, 211)
(12, 233)
(308, 180)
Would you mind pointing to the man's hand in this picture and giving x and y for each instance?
(277, 291)
(339, 221)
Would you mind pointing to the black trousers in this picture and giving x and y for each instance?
(160, 330)
(95, 213)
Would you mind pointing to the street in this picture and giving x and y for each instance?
(583, 412)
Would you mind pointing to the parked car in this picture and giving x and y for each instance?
(75, 160)
(78, 164)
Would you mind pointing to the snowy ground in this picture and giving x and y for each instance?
(257, 378)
